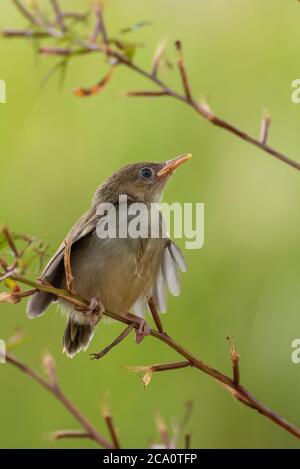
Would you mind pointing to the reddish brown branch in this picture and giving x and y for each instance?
(65, 51)
(157, 59)
(22, 33)
(111, 426)
(122, 336)
(60, 434)
(36, 20)
(264, 127)
(237, 391)
(187, 440)
(10, 241)
(183, 72)
(155, 314)
(235, 358)
(59, 15)
(146, 94)
(55, 390)
(89, 46)
(100, 27)
(24, 11)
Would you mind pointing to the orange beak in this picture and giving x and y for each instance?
(171, 165)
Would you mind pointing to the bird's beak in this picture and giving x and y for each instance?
(171, 165)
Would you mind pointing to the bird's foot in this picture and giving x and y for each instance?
(143, 328)
(94, 311)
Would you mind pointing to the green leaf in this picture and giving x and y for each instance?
(58, 67)
(135, 27)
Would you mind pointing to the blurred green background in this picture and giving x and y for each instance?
(55, 149)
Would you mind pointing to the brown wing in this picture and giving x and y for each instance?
(54, 270)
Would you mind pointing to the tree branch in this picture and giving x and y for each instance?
(111, 426)
(59, 15)
(55, 390)
(122, 336)
(164, 89)
(60, 434)
(236, 390)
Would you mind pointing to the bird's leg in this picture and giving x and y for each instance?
(155, 314)
(97, 356)
(94, 311)
(143, 327)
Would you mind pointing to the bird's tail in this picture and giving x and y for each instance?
(38, 303)
(76, 337)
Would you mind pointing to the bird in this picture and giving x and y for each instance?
(122, 275)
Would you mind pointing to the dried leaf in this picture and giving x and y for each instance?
(8, 298)
(12, 285)
(96, 89)
(147, 378)
(138, 369)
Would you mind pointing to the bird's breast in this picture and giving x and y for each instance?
(117, 271)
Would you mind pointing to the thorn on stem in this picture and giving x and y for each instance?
(183, 72)
(264, 127)
(235, 358)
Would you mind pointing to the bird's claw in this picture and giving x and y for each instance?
(142, 331)
(94, 311)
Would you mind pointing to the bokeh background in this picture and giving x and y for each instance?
(55, 149)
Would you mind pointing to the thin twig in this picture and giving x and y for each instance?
(155, 314)
(75, 15)
(101, 24)
(111, 426)
(146, 94)
(14, 297)
(24, 11)
(35, 19)
(264, 127)
(65, 51)
(60, 434)
(187, 441)
(237, 391)
(163, 431)
(157, 59)
(89, 46)
(235, 358)
(99, 27)
(10, 241)
(183, 72)
(59, 15)
(22, 33)
(160, 367)
(122, 336)
(62, 398)
(67, 265)
(3, 265)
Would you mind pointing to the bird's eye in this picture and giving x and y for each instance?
(146, 173)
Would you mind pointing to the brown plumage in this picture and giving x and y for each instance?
(120, 273)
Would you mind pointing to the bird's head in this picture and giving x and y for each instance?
(142, 182)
